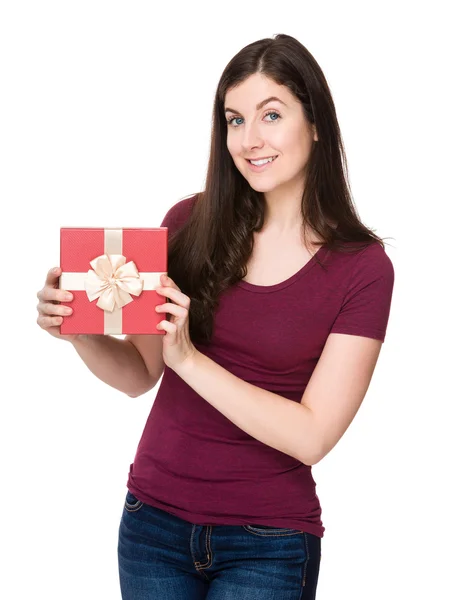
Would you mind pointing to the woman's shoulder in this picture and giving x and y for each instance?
(187, 203)
(374, 260)
(179, 212)
(363, 260)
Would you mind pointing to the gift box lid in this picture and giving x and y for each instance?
(147, 247)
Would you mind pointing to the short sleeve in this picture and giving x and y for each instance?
(366, 305)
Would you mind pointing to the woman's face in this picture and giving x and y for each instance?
(259, 129)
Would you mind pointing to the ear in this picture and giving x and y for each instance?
(316, 137)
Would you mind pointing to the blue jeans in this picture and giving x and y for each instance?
(163, 557)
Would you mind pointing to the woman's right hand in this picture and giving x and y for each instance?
(50, 313)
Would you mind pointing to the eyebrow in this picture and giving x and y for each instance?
(260, 104)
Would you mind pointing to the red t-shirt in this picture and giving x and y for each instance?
(192, 461)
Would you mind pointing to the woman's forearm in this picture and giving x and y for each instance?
(116, 362)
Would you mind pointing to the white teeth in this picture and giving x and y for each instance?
(262, 162)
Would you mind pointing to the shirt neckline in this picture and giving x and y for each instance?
(264, 289)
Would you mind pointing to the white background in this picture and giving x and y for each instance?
(105, 121)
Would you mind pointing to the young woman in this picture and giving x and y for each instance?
(276, 306)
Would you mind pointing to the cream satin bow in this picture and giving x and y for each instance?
(112, 281)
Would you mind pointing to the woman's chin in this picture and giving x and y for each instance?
(261, 186)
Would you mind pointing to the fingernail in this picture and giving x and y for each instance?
(56, 270)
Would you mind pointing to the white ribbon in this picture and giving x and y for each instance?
(112, 281)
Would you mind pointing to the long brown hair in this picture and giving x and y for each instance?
(209, 253)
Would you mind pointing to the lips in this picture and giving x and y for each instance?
(262, 158)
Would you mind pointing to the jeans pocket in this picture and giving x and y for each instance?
(268, 530)
(131, 503)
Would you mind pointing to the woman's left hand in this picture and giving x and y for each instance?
(177, 346)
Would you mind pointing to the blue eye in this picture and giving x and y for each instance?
(234, 118)
(231, 119)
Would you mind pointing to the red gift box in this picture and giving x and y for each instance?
(112, 274)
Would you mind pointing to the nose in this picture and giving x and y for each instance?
(251, 138)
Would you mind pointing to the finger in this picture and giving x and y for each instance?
(45, 308)
(174, 309)
(53, 276)
(46, 322)
(175, 295)
(50, 294)
(167, 326)
(167, 281)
